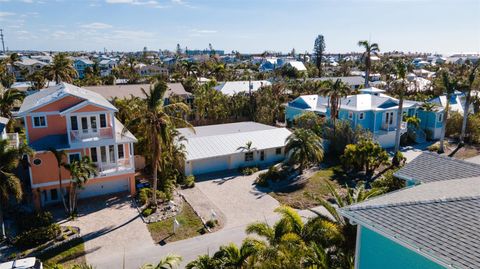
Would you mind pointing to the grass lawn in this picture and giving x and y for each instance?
(316, 185)
(67, 255)
(190, 226)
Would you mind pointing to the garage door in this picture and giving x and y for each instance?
(210, 165)
(102, 188)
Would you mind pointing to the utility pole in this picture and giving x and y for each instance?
(3, 42)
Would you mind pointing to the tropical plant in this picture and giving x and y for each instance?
(168, 262)
(450, 85)
(318, 50)
(370, 48)
(61, 69)
(335, 92)
(38, 79)
(400, 87)
(367, 155)
(304, 147)
(155, 120)
(467, 88)
(8, 99)
(203, 262)
(80, 171)
(231, 256)
(60, 155)
(248, 147)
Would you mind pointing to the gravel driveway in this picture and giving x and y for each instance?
(238, 199)
(110, 225)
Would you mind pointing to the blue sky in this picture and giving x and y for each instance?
(443, 26)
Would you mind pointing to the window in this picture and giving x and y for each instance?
(121, 154)
(440, 117)
(350, 115)
(53, 194)
(93, 123)
(103, 121)
(93, 154)
(248, 156)
(39, 121)
(85, 124)
(73, 157)
(37, 162)
(361, 116)
(103, 154)
(74, 123)
(278, 151)
(262, 155)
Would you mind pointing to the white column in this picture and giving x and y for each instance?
(69, 126)
(115, 150)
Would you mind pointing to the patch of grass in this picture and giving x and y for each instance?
(316, 185)
(190, 225)
(68, 254)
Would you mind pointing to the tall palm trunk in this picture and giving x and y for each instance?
(465, 118)
(62, 193)
(367, 70)
(444, 126)
(3, 234)
(399, 122)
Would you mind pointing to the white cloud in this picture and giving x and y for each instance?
(202, 32)
(96, 25)
(6, 14)
(134, 2)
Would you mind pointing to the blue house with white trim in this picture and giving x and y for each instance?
(432, 224)
(80, 64)
(371, 109)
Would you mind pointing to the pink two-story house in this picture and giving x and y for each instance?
(83, 123)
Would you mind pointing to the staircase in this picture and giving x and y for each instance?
(420, 136)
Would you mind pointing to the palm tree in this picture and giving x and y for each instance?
(468, 89)
(335, 91)
(248, 147)
(168, 262)
(38, 79)
(9, 183)
(61, 69)
(346, 232)
(203, 262)
(8, 99)
(231, 256)
(449, 84)
(400, 86)
(80, 170)
(154, 119)
(59, 156)
(304, 147)
(370, 48)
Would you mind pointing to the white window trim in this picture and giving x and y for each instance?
(74, 153)
(39, 116)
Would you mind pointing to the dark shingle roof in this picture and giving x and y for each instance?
(429, 167)
(51, 141)
(448, 230)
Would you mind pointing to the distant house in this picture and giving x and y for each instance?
(128, 90)
(106, 66)
(299, 66)
(82, 123)
(215, 148)
(270, 64)
(371, 109)
(232, 87)
(12, 138)
(25, 67)
(150, 70)
(355, 82)
(80, 64)
(431, 224)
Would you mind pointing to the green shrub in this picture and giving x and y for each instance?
(262, 180)
(367, 155)
(26, 221)
(147, 212)
(37, 236)
(247, 171)
(145, 194)
(211, 223)
(388, 182)
(189, 182)
(398, 159)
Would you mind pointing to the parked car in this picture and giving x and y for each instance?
(27, 263)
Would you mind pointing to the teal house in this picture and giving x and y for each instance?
(80, 64)
(433, 223)
(372, 109)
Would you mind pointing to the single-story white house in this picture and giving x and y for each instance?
(232, 87)
(215, 148)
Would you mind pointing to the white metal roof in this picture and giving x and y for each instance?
(225, 139)
(232, 87)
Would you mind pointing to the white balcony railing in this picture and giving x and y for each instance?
(118, 166)
(91, 135)
(393, 127)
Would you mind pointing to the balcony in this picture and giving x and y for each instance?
(90, 135)
(392, 128)
(124, 165)
(13, 140)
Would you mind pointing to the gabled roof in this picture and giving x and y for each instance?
(350, 80)
(57, 92)
(429, 167)
(439, 220)
(232, 87)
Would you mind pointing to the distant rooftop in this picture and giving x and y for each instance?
(126, 91)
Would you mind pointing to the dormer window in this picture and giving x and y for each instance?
(361, 116)
(39, 121)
